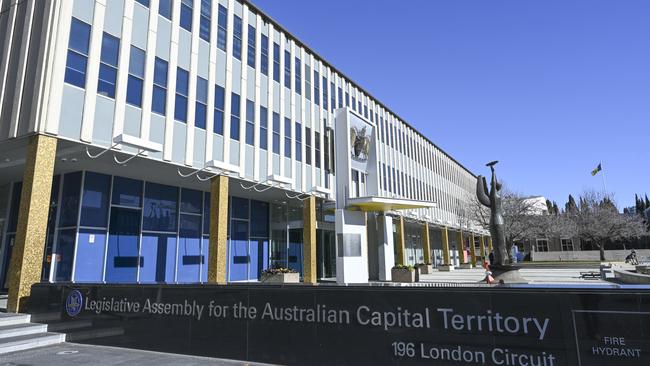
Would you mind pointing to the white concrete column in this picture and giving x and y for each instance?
(386, 247)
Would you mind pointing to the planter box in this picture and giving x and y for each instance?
(425, 268)
(280, 278)
(402, 275)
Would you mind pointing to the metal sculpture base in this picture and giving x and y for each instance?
(506, 274)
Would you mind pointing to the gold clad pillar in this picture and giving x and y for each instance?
(490, 249)
(461, 250)
(309, 240)
(472, 249)
(218, 259)
(426, 244)
(446, 260)
(26, 261)
(401, 244)
(482, 242)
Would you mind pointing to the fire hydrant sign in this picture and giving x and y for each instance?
(612, 337)
(364, 325)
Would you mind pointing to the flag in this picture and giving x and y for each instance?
(598, 168)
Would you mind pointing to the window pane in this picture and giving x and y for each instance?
(259, 219)
(64, 255)
(191, 201)
(123, 241)
(75, 71)
(159, 102)
(127, 192)
(239, 208)
(200, 114)
(182, 81)
(107, 80)
(136, 62)
(165, 8)
(186, 16)
(94, 203)
(180, 108)
(110, 49)
(70, 199)
(189, 249)
(134, 91)
(79, 36)
(160, 206)
(160, 72)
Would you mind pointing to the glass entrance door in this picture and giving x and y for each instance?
(326, 249)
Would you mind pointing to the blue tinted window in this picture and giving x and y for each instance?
(325, 92)
(70, 199)
(186, 15)
(136, 76)
(219, 95)
(77, 60)
(287, 137)
(143, 2)
(234, 117)
(191, 201)
(182, 87)
(276, 133)
(237, 37)
(264, 67)
(165, 8)
(340, 97)
(206, 213)
(127, 192)
(250, 122)
(239, 208)
(160, 208)
(64, 255)
(160, 72)
(159, 97)
(107, 80)
(276, 62)
(264, 124)
(287, 69)
(259, 219)
(221, 31)
(298, 141)
(201, 103)
(110, 49)
(308, 145)
(79, 36)
(316, 88)
(122, 255)
(298, 74)
(94, 202)
(15, 205)
(134, 91)
(251, 46)
(189, 258)
(206, 14)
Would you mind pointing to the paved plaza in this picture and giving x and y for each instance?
(539, 276)
(77, 354)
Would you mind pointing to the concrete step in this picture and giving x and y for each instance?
(91, 333)
(46, 317)
(13, 318)
(15, 330)
(63, 327)
(19, 343)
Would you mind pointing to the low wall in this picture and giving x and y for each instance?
(588, 255)
(364, 325)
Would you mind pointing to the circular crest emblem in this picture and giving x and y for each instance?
(73, 303)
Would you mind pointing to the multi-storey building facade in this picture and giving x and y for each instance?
(185, 141)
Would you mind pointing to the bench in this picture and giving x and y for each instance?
(590, 275)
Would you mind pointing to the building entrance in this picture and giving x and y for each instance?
(326, 253)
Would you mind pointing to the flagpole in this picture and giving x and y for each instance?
(604, 184)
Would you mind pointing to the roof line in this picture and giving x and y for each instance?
(314, 53)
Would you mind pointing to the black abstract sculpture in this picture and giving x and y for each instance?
(492, 199)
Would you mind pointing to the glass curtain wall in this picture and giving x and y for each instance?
(112, 229)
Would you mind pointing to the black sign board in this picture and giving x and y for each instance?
(330, 325)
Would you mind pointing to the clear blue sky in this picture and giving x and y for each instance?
(564, 83)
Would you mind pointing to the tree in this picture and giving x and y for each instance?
(556, 210)
(647, 203)
(549, 206)
(598, 220)
(571, 205)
